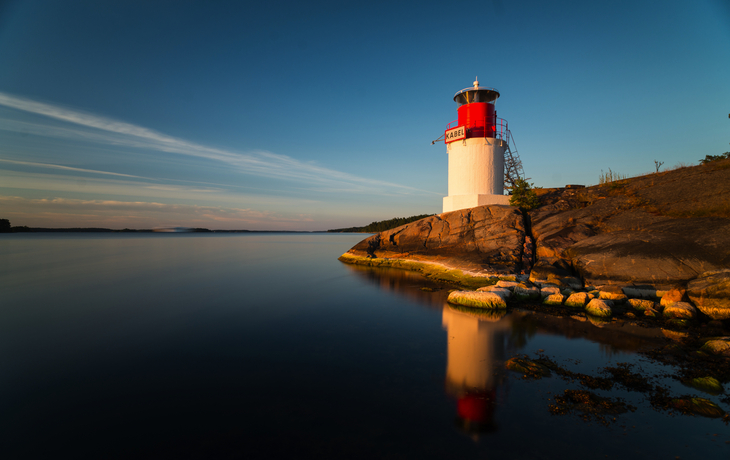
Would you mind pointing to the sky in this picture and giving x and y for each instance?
(288, 115)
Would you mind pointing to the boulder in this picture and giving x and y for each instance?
(599, 308)
(548, 290)
(613, 293)
(477, 299)
(717, 346)
(673, 295)
(578, 300)
(641, 304)
(679, 310)
(710, 292)
(554, 299)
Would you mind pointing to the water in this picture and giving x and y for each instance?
(265, 346)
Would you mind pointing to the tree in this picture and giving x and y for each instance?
(4, 226)
(709, 158)
(523, 196)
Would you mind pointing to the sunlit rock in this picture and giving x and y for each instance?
(578, 300)
(673, 295)
(554, 299)
(549, 289)
(679, 310)
(613, 293)
(504, 293)
(507, 284)
(717, 346)
(599, 308)
(477, 299)
(710, 292)
(640, 304)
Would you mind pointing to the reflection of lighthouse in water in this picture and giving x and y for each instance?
(475, 350)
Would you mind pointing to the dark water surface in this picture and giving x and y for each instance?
(265, 346)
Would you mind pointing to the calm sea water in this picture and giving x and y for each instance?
(265, 346)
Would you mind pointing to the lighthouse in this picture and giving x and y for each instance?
(475, 144)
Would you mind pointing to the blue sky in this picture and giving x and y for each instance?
(316, 115)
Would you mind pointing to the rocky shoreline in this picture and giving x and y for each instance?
(658, 245)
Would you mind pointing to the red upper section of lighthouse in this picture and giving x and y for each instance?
(477, 113)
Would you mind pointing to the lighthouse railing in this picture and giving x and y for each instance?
(486, 127)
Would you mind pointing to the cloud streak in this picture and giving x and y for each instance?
(260, 163)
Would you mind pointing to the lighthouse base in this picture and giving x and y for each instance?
(456, 202)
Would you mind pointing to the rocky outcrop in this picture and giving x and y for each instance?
(480, 242)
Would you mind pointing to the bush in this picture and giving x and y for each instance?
(523, 196)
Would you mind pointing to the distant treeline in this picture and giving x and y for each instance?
(24, 229)
(381, 226)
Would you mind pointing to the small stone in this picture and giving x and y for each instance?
(577, 300)
(554, 299)
(600, 308)
(680, 310)
(651, 313)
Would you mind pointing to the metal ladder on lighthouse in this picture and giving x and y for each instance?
(512, 164)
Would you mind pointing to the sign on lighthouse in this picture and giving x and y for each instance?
(475, 144)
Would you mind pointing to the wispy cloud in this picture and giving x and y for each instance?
(260, 163)
(68, 168)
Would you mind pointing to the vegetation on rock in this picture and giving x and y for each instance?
(710, 158)
(381, 226)
(523, 195)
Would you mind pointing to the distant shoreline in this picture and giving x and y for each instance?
(157, 230)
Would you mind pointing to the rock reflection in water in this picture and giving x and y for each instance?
(411, 285)
(476, 351)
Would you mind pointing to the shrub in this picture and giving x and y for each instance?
(523, 196)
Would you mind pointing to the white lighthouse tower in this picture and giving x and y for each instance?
(476, 143)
